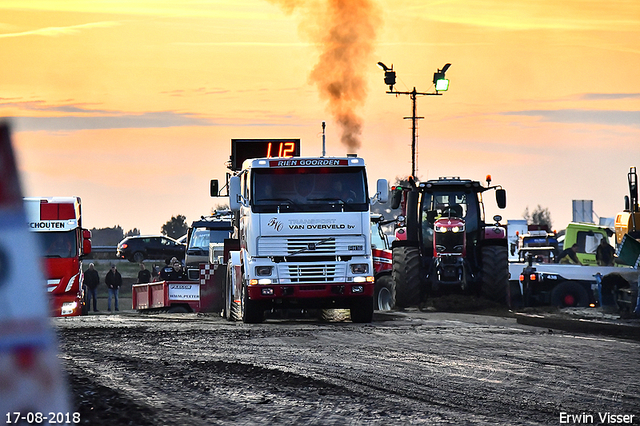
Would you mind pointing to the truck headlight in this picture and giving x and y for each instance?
(359, 268)
(264, 271)
(68, 308)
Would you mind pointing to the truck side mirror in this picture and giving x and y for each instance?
(235, 193)
(86, 241)
(501, 198)
(396, 198)
(213, 189)
(382, 191)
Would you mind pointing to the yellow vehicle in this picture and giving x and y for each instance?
(588, 237)
(628, 221)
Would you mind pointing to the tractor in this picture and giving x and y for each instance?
(448, 246)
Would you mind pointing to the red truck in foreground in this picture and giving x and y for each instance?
(57, 222)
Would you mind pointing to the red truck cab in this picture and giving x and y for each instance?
(57, 222)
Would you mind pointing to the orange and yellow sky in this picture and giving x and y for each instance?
(132, 105)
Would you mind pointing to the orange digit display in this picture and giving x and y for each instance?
(287, 149)
(242, 149)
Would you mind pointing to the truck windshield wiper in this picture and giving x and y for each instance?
(312, 246)
(328, 199)
(276, 199)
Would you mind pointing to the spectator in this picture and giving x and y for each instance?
(113, 280)
(144, 276)
(91, 280)
(174, 271)
(605, 253)
(569, 256)
(166, 272)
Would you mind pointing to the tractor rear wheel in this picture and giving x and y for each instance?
(406, 276)
(495, 273)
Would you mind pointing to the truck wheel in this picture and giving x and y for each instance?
(385, 293)
(569, 294)
(406, 276)
(252, 310)
(362, 310)
(495, 273)
(138, 257)
(232, 308)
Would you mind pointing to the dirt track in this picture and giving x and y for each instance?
(404, 368)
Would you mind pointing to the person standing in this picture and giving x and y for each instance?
(605, 253)
(91, 280)
(113, 280)
(144, 275)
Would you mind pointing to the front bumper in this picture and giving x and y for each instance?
(324, 295)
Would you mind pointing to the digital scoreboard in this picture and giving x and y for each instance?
(243, 149)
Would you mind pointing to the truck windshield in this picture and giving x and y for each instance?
(308, 189)
(201, 238)
(58, 244)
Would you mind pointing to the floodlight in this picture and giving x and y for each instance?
(442, 85)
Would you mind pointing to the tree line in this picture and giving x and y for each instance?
(175, 228)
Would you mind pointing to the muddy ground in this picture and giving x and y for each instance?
(412, 367)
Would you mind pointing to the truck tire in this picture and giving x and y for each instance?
(385, 293)
(406, 276)
(495, 273)
(569, 294)
(362, 310)
(232, 311)
(252, 310)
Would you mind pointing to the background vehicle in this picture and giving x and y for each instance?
(588, 237)
(448, 244)
(204, 235)
(154, 247)
(574, 285)
(303, 230)
(628, 220)
(543, 245)
(555, 287)
(57, 221)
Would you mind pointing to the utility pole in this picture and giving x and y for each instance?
(441, 84)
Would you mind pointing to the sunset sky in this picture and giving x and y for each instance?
(132, 104)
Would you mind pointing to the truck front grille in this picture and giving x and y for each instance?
(311, 273)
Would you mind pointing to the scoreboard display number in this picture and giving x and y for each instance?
(243, 149)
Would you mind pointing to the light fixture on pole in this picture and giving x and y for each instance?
(441, 85)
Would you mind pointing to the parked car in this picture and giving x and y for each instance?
(155, 247)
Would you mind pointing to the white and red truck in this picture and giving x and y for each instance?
(302, 227)
(57, 222)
